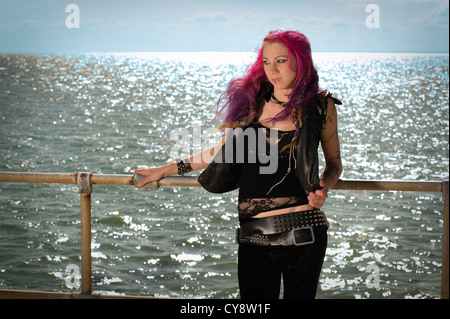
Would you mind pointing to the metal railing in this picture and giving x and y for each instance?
(86, 180)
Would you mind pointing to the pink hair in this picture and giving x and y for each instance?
(241, 93)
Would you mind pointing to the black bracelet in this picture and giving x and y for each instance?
(183, 166)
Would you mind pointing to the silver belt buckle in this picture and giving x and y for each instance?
(310, 238)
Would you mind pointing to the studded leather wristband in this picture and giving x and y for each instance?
(183, 166)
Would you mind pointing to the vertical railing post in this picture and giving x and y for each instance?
(85, 186)
(445, 245)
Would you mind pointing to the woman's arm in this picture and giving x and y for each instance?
(331, 147)
(198, 161)
(332, 152)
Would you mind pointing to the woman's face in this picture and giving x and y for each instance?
(276, 66)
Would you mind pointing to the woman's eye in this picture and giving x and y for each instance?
(278, 61)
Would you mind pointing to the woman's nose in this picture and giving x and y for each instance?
(273, 68)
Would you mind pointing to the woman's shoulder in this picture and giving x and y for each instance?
(329, 96)
(265, 91)
(320, 105)
(325, 96)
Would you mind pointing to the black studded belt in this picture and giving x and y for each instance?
(286, 229)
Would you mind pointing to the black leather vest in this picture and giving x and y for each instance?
(221, 176)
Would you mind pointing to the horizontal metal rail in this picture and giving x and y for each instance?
(86, 180)
(191, 181)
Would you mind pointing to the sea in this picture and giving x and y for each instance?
(110, 113)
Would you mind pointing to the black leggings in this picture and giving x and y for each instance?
(260, 269)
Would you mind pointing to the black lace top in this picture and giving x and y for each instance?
(261, 192)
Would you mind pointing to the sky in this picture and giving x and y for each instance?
(49, 26)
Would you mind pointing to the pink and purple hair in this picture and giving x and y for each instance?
(241, 93)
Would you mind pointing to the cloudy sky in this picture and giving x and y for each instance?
(39, 26)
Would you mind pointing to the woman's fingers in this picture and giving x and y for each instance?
(142, 183)
(317, 198)
(141, 171)
(153, 174)
(146, 180)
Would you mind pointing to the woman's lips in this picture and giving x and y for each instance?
(276, 80)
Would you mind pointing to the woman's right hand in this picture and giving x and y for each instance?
(197, 161)
(153, 174)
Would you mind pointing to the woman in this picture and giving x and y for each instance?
(282, 231)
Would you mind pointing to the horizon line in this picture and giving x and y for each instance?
(144, 52)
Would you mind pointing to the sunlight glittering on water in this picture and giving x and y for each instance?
(110, 113)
